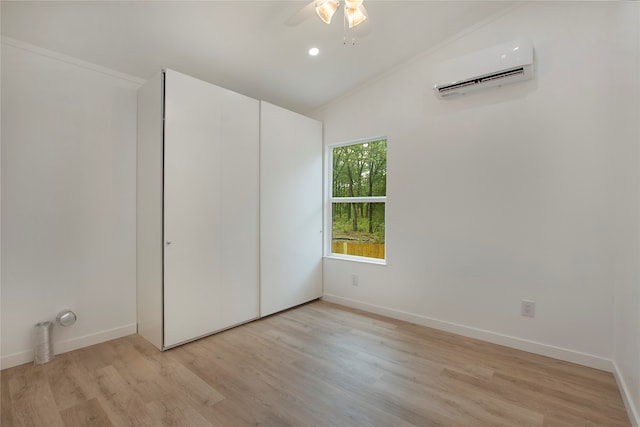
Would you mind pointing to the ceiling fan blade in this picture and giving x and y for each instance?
(302, 15)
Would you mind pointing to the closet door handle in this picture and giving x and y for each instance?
(167, 242)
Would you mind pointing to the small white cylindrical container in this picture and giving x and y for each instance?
(43, 343)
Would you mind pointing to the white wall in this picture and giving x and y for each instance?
(509, 194)
(626, 348)
(68, 199)
(0, 198)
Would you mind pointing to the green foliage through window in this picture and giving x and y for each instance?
(360, 170)
(360, 174)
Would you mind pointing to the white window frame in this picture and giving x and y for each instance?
(330, 200)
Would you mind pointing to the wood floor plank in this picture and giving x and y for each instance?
(326, 384)
(87, 413)
(65, 381)
(139, 372)
(247, 397)
(6, 408)
(587, 410)
(92, 358)
(155, 378)
(32, 401)
(457, 409)
(169, 412)
(319, 364)
(243, 373)
(294, 388)
(122, 406)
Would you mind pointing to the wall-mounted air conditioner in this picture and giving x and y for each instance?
(496, 66)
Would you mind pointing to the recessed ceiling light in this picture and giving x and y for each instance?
(314, 51)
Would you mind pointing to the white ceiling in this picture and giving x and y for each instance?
(258, 48)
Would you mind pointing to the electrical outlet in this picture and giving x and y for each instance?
(354, 280)
(528, 308)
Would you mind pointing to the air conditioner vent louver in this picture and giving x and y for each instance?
(492, 67)
(491, 77)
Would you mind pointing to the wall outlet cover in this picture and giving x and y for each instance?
(528, 308)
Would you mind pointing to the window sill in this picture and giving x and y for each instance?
(354, 258)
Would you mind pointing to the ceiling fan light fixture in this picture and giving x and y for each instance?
(355, 13)
(326, 9)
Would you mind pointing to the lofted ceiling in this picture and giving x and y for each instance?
(258, 48)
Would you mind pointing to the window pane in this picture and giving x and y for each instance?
(358, 229)
(360, 170)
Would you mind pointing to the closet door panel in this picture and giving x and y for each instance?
(210, 208)
(291, 209)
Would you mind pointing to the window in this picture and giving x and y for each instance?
(357, 198)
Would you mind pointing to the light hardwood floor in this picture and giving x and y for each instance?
(316, 365)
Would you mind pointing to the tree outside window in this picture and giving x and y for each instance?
(358, 198)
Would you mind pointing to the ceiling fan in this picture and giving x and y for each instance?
(354, 12)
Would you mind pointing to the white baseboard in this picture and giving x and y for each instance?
(560, 353)
(632, 411)
(59, 347)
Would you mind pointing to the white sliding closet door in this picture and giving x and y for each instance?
(291, 209)
(211, 185)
